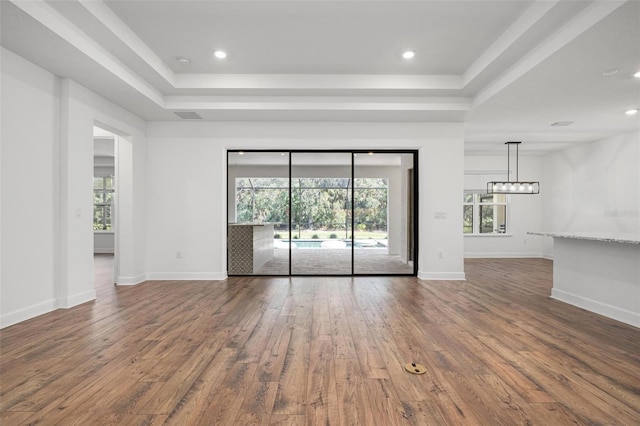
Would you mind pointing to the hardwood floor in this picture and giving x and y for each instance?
(309, 350)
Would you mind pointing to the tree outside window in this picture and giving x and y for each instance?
(102, 202)
(485, 213)
(467, 214)
(320, 206)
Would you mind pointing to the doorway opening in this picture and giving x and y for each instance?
(302, 212)
(104, 207)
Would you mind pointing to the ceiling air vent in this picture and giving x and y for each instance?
(562, 123)
(188, 115)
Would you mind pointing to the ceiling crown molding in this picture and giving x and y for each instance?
(585, 19)
(540, 30)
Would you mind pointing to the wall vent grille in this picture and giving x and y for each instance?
(188, 115)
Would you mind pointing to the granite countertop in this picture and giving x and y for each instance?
(609, 237)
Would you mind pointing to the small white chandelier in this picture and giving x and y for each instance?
(509, 186)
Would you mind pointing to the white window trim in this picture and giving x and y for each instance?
(475, 214)
(109, 205)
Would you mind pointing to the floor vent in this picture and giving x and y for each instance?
(188, 115)
(414, 368)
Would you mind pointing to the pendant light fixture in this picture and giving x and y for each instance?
(513, 186)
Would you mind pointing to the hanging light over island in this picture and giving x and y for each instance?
(516, 186)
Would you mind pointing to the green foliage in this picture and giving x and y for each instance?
(314, 237)
(333, 236)
(277, 236)
(102, 200)
(467, 216)
(316, 203)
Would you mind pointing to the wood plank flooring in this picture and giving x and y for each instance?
(331, 351)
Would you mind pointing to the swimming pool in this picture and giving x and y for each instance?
(332, 243)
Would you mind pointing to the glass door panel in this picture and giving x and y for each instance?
(383, 212)
(321, 213)
(258, 211)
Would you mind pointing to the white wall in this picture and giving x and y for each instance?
(187, 186)
(103, 242)
(593, 188)
(524, 211)
(397, 212)
(29, 129)
(86, 109)
(46, 198)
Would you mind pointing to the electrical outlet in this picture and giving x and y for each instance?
(178, 255)
(439, 255)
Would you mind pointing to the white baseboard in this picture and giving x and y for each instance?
(77, 299)
(616, 313)
(27, 313)
(47, 306)
(136, 279)
(499, 255)
(441, 276)
(187, 276)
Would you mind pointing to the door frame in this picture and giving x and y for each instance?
(414, 226)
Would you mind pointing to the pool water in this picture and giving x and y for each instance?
(318, 243)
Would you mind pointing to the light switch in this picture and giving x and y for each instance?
(78, 213)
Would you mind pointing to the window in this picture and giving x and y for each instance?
(102, 202)
(370, 209)
(320, 205)
(262, 200)
(485, 213)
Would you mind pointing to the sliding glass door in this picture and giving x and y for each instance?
(258, 213)
(321, 186)
(321, 213)
(383, 202)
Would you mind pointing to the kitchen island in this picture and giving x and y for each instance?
(599, 272)
(250, 245)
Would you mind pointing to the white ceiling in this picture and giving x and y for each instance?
(507, 69)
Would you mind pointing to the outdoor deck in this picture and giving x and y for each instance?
(326, 261)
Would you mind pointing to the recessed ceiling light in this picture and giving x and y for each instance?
(637, 75)
(183, 61)
(220, 54)
(631, 112)
(562, 123)
(610, 72)
(408, 54)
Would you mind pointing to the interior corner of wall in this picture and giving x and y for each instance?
(76, 299)
(133, 280)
